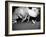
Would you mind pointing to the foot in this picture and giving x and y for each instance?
(33, 21)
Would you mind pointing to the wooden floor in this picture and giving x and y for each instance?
(26, 26)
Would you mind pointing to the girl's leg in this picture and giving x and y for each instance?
(24, 18)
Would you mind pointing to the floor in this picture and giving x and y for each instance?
(26, 26)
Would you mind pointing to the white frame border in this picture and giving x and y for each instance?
(23, 31)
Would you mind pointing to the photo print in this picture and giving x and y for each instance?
(24, 18)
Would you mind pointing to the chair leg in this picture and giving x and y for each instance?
(28, 18)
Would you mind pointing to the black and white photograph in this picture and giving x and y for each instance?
(24, 18)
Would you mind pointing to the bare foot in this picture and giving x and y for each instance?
(33, 22)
